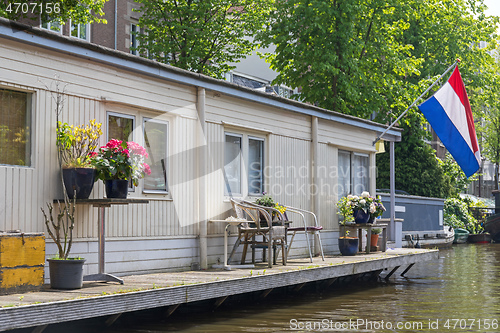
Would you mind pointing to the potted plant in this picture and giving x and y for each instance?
(365, 207)
(65, 272)
(374, 237)
(267, 201)
(76, 145)
(348, 246)
(118, 162)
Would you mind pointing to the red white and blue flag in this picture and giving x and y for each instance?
(450, 115)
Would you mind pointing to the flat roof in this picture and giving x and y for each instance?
(82, 49)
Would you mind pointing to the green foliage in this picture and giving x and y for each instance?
(458, 181)
(200, 36)
(457, 215)
(79, 11)
(418, 170)
(266, 200)
(344, 209)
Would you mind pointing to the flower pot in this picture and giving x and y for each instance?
(374, 239)
(66, 274)
(80, 180)
(116, 188)
(360, 216)
(348, 246)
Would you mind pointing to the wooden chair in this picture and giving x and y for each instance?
(260, 225)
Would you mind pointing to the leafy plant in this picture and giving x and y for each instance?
(344, 209)
(266, 200)
(121, 160)
(457, 215)
(76, 144)
(376, 231)
(60, 228)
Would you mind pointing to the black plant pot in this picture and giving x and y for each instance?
(80, 180)
(348, 246)
(116, 188)
(66, 274)
(360, 216)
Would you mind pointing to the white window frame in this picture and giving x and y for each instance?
(263, 163)
(131, 187)
(352, 170)
(244, 162)
(78, 26)
(133, 38)
(166, 123)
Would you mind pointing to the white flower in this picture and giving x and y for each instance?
(349, 203)
(355, 197)
(362, 201)
(350, 197)
(365, 194)
(372, 208)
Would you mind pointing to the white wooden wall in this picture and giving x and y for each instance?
(92, 89)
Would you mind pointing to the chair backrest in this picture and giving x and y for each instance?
(252, 213)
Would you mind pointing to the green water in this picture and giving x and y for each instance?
(460, 292)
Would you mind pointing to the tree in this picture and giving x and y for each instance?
(202, 36)
(79, 11)
(362, 57)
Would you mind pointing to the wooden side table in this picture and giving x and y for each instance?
(368, 226)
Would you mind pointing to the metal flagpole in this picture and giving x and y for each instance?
(416, 100)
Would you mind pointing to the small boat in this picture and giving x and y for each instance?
(461, 236)
(442, 238)
(492, 226)
(479, 238)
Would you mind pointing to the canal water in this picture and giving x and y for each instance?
(460, 292)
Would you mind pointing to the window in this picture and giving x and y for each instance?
(134, 43)
(255, 166)
(121, 127)
(15, 127)
(243, 178)
(353, 173)
(80, 31)
(155, 140)
(50, 24)
(232, 164)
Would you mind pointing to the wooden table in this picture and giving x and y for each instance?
(102, 204)
(368, 227)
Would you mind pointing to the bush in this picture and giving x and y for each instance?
(457, 215)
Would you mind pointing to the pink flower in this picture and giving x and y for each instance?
(113, 143)
(137, 149)
(92, 154)
(126, 151)
(147, 169)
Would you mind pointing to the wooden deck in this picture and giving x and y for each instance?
(140, 292)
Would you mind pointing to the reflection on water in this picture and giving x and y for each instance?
(460, 292)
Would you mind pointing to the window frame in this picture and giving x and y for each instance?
(245, 136)
(131, 187)
(30, 106)
(87, 34)
(166, 123)
(263, 163)
(352, 167)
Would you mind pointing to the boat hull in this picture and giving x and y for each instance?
(479, 238)
(492, 226)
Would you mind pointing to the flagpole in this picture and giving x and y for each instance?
(416, 100)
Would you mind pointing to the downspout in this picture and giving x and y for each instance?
(392, 185)
(202, 185)
(315, 188)
(116, 23)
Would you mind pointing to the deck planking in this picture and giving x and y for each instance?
(148, 291)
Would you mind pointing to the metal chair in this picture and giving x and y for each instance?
(307, 229)
(273, 233)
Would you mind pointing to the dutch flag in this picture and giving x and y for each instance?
(450, 115)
